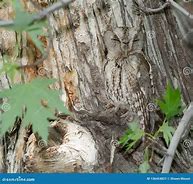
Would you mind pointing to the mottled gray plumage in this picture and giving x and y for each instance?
(126, 71)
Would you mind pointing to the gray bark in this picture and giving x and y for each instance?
(111, 65)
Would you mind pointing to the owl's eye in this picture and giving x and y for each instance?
(115, 38)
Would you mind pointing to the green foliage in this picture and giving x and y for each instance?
(24, 22)
(35, 31)
(35, 96)
(167, 131)
(171, 104)
(22, 18)
(132, 135)
(31, 96)
(145, 167)
(9, 66)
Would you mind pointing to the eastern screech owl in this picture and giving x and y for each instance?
(126, 72)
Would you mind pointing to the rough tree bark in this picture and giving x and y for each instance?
(111, 64)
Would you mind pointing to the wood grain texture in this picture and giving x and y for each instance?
(104, 53)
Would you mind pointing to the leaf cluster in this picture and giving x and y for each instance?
(171, 106)
(171, 103)
(24, 21)
(133, 134)
(38, 99)
(145, 167)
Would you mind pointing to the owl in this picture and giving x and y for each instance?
(127, 73)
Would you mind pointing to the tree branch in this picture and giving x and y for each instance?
(162, 7)
(180, 8)
(42, 14)
(56, 6)
(151, 10)
(184, 123)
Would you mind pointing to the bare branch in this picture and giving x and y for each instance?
(45, 55)
(56, 6)
(6, 23)
(42, 14)
(165, 5)
(151, 10)
(184, 123)
(181, 9)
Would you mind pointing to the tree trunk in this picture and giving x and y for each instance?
(112, 64)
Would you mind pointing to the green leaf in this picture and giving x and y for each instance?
(9, 67)
(34, 31)
(22, 18)
(171, 105)
(144, 167)
(167, 131)
(31, 96)
(132, 135)
(24, 21)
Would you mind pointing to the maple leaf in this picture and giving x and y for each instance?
(145, 167)
(133, 134)
(31, 95)
(24, 21)
(167, 131)
(9, 66)
(171, 105)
